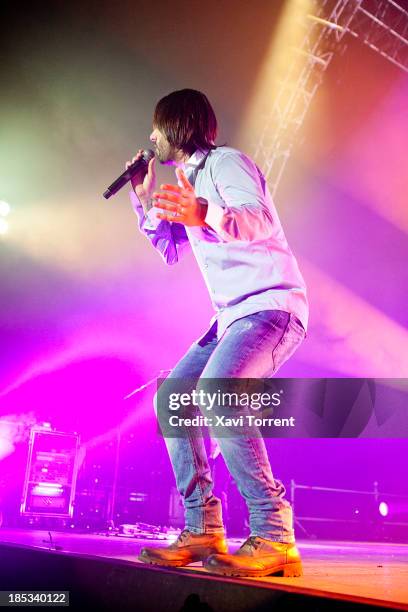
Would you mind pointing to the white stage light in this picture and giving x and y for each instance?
(3, 226)
(4, 208)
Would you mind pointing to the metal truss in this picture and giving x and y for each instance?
(380, 24)
(383, 26)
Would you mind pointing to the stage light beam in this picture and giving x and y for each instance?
(277, 76)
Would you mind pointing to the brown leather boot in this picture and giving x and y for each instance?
(188, 548)
(258, 557)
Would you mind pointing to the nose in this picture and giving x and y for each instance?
(153, 136)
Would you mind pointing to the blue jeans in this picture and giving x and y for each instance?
(254, 346)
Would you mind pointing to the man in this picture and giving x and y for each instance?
(222, 209)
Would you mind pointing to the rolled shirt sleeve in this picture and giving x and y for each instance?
(246, 215)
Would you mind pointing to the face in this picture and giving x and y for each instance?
(165, 153)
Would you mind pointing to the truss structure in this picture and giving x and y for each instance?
(383, 26)
(380, 24)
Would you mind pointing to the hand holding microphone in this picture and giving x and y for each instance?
(141, 172)
(144, 183)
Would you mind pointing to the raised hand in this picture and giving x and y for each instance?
(179, 202)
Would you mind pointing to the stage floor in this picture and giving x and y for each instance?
(371, 573)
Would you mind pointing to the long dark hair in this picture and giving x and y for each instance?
(187, 119)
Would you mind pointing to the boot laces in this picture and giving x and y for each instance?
(183, 535)
(251, 542)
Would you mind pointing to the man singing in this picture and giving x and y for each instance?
(222, 209)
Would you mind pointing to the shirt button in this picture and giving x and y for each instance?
(206, 265)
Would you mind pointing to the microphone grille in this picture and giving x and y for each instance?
(148, 154)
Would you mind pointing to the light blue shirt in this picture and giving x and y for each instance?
(242, 253)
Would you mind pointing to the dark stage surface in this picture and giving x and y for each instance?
(335, 573)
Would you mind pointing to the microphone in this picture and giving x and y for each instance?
(138, 166)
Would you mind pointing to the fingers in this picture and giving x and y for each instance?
(174, 207)
(172, 196)
(185, 183)
(166, 205)
(173, 188)
(179, 192)
(135, 158)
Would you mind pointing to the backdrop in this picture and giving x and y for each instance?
(88, 309)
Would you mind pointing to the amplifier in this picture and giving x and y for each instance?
(51, 473)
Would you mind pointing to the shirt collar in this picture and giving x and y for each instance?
(194, 160)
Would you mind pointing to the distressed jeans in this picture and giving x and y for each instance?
(254, 346)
